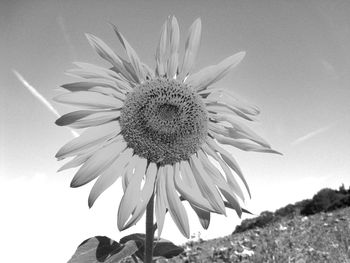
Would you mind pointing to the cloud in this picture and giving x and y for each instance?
(329, 69)
(312, 134)
(62, 25)
(40, 97)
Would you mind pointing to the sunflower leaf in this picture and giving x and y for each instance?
(103, 249)
(162, 247)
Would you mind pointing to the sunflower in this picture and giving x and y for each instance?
(160, 130)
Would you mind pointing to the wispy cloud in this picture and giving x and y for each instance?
(40, 97)
(329, 69)
(62, 25)
(312, 134)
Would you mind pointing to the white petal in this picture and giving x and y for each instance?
(228, 193)
(203, 215)
(146, 194)
(148, 71)
(89, 138)
(89, 100)
(97, 163)
(161, 52)
(206, 185)
(129, 172)
(222, 107)
(90, 71)
(239, 130)
(212, 148)
(176, 208)
(118, 94)
(78, 160)
(221, 95)
(189, 190)
(161, 202)
(132, 194)
(110, 175)
(191, 48)
(211, 74)
(218, 177)
(174, 39)
(87, 118)
(108, 54)
(130, 69)
(242, 145)
(133, 57)
(88, 85)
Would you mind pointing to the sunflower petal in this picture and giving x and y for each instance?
(222, 107)
(211, 74)
(108, 54)
(97, 163)
(87, 118)
(88, 85)
(191, 48)
(231, 198)
(203, 215)
(176, 208)
(239, 130)
(190, 190)
(88, 139)
(228, 193)
(130, 69)
(212, 147)
(109, 176)
(110, 92)
(218, 177)
(146, 194)
(242, 145)
(78, 160)
(129, 172)
(161, 52)
(161, 203)
(148, 71)
(89, 100)
(206, 185)
(133, 57)
(174, 39)
(229, 132)
(132, 194)
(221, 95)
(88, 70)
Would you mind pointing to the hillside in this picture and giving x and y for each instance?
(323, 237)
(312, 230)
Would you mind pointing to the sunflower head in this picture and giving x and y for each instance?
(159, 130)
(164, 121)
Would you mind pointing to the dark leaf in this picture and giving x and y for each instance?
(102, 249)
(165, 248)
(162, 247)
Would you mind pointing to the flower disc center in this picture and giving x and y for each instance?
(168, 111)
(164, 121)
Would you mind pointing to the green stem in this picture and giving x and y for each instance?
(149, 231)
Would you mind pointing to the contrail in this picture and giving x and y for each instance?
(312, 134)
(40, 97)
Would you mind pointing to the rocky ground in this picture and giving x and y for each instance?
(323, 237)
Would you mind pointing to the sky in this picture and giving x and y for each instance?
(297, 70)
